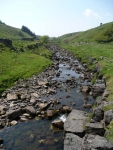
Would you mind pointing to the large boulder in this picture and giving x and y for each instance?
(72, 142)
(96, 142)
(75, 122)
(95, 128)
(12, 114)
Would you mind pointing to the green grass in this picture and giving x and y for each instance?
(16, 65)
(108, 107)
(86, 36)
(11, 32)
(89, 116)
(109, 129)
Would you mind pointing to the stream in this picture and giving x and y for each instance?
(38, 133)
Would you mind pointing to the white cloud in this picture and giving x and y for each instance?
(90, 13)
(28, 14)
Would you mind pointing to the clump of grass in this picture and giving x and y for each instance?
(109, 131)
(108, 107)
(89, 116)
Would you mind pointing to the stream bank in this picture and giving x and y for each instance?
(64, 86)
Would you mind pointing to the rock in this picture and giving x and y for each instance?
(33, 101)
(2, 108)
(98, 114)
(106, 93)
(75, 122)
(85, 89)
(65, 109)
(108, 116)
(58, 123)
(14, 122)
(44, 106)
(98, 89)
(23, 118)
(51, 113)
(26, 115)
(12, 114)
(42, 83)
(96, 142)
(51, 91)
(87, 105)
(35, 95)
(11, 97)
(95, 128)
(98, 100)
(1, 141)
(72, 142)
(30, 110)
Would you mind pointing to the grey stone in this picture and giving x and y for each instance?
(11, 97)
(14, 122)
(85, 89)
(30, 110)
(58, 123)
(96, 142)
(75, 122)
(95, 128)
(108, 116)
(98, 89)
(98, 114)
(2, 108)
(12, 114)
(72, 142)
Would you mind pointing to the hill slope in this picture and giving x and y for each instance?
(103, 33)
(11, 32)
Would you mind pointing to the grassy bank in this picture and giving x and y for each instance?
(103, 53)
(17, 65)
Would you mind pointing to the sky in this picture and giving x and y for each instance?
(56, 17)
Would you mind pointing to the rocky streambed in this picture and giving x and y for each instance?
(33, 112)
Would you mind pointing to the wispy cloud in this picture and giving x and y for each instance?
(28, 14)
(90, 13)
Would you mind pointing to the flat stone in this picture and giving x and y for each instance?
(11, 97)
(42, 83)
(95, 128)
(43, 106)
(72, 142)
(75, 122)
(96, 142)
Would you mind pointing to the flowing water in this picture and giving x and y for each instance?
(38, 134)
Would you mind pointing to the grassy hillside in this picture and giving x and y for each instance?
(11, 32)
(102, 32)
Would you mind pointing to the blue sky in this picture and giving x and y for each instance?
(56, 17)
